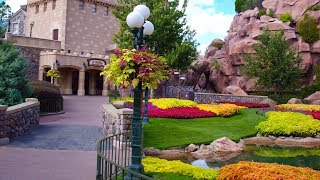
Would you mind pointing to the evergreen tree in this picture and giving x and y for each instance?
(275, 63)
(172, 38)
(5, 11)
(13, 81)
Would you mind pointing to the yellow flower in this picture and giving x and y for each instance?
(298, 107)
(166, 103)
(156, 165)
(223, 110)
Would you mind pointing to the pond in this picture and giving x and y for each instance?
(294, 156)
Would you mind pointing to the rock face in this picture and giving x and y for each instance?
(218, 148)
(234, 90)
(313, 97)
(222, 67)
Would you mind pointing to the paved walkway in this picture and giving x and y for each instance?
(62, 148)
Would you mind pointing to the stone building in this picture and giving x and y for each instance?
(83, 30)
(17, 22)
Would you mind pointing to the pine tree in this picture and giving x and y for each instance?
(275, 63)
(13, 81)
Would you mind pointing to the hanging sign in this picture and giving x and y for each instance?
(96, 62)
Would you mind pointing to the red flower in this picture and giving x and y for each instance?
(314, 114)
(180, 113)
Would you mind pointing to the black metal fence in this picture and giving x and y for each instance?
(51, 106)
(113, 158)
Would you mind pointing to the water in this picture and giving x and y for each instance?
(294, 156)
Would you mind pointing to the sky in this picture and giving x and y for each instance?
(209, 18)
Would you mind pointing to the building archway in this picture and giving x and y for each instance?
(93, 82)
(69, 81)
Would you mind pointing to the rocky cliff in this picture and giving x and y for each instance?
(220, 67)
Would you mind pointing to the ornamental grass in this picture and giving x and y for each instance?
(289, 124)
(180, 113)
(156, 165)
(166, 103)
(298, 107)
(224, 110)
(266, 171)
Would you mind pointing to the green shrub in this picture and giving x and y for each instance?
(289, 124)
(218, 45)
(308, 30)
(243, 5)
(262, 12)
(14, 87)
(270, 12)
(286, 17)
(276, 152)
(314, 8)
(264, 171)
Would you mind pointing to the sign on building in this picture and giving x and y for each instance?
(96, 62)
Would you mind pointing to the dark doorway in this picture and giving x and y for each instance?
(75, 82)
(45, 77)
(99, 82)
(86, 83)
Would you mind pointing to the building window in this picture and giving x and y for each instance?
(15, 28)
(54, 3)
(45, 7)
(55, 34)
(106, 12)
(69, 51)
(94, 8)
(81, 5)
(37, 9)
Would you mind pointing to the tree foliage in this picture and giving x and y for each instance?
(275, 63)
(243, 5)
(13, 82)
(172, 38)
(5, 11)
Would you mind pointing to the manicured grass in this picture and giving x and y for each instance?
(163, 176)
(164, 133)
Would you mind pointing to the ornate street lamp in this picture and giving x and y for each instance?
(136, 20)
(31, 26)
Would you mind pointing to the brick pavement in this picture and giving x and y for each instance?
(62, 148)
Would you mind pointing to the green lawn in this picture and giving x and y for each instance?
(163, 133)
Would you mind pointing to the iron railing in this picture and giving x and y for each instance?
(51, 105)
(113, 158)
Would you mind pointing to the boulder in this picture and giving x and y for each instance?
(219, 150)
(225, 144)
(313, 97)
(317, 102)
(192, 148)
(316, 47)
(269, 101)
(276, 26)
(303, 46)
(234, 90)
(211, 51)
(294, 101)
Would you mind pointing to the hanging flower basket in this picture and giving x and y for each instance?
(54, 73)
(129, 67)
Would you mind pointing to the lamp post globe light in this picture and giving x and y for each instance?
(140, 29)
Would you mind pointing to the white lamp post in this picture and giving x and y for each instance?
(140, 29)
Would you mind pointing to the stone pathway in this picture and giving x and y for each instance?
(62, 148)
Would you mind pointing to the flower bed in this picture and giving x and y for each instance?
(156, 165)
(314, 114)
(266, 171)
(223, 110)
(249, 105)
(180, 113)
(166, 103)
(298, 107)
(289, 124)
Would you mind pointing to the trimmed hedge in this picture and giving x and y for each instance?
(289, 124)
(266, 171)
(49, 96)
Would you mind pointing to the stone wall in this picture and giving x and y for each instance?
(115, 121)
(213, 97)
(32, 55)
(19, 119)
